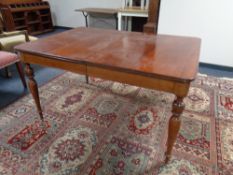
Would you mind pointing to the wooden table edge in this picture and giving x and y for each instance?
(152, 75)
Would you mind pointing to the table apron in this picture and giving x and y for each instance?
(178, 88)
(61, 64)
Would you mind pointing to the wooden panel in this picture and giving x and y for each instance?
(73, 67)
(35, 17)
(138, 80)
(9, 24)
(180, 89)
(18, 1)
(26, 9)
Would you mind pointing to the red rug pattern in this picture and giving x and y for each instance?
(108, 128)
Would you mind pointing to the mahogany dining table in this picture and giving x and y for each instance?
(162, 62)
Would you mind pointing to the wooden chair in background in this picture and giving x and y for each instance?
(8, 40)
(7, 59)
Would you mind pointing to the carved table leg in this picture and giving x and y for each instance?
(174, 125)
(34, 89)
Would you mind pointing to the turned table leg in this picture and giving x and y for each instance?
(87, 79)
(174, 125)
(33, 89)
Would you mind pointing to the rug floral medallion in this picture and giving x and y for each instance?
(109, 128)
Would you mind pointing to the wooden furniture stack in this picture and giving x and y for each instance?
(153, 17)
(31, 15)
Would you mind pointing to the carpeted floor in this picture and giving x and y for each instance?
(107, 128)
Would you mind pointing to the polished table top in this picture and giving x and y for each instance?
(134, 10)
(171, 57)
(98, 10)
(113, 11)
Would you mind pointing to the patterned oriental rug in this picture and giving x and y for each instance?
(108, 128)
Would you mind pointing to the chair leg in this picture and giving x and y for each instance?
(21, 73)
(119, 20)
(7, 72)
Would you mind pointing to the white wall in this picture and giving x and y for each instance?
(211, 20)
